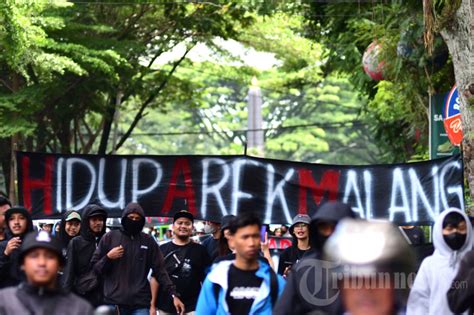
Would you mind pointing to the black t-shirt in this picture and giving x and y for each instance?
(211, 244)
(289, 257)
(243, 289)
(187, 275)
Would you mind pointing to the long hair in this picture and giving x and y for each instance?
(223, 246)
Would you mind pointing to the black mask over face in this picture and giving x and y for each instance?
(132, 227)
(455, 240)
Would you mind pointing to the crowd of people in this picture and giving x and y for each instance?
(337, 264)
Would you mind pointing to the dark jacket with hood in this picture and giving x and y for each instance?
(79, 253)
(461, 292)
(27, 299)
(125, 279)
(10, 268)
(62, 234)
(316, 295)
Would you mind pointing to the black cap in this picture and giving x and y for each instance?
(225, 222)
(16, 209)
(41, 239)
(94, 210)
(183, 214)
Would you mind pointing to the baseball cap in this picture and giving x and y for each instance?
(16, 209)
(73, 216)
(183, 214)
(41, 239)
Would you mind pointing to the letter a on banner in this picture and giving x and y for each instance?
(181, 166)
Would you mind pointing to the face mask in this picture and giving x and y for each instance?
(455, 240)
(209, 229)
(132, 227)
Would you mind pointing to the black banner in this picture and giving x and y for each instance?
(212, 186)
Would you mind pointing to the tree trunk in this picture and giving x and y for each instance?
(459, 36)
(13, 174)
(108, 121)
(5, 158)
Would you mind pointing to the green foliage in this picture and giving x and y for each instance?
(214, 106)
(23, 37)
(65, 64)
(68, 68)
(398, 106)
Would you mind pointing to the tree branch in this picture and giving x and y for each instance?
(219, 133)
(129, 27)
(7, 86)
(92, 136)
(150, 99)
(79, 134)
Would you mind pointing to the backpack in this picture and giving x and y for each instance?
(273, 288)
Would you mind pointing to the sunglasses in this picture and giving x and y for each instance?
(300, 225)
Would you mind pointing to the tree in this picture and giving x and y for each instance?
(455, 21)
(398, 105)
(68, 67)
(210, 101)
(409, 68)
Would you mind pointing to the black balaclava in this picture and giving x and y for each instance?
(454, 240)
(133, 227)
(129, 226)
(320, 239)
(331, 212)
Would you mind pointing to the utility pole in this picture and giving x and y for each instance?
(255, 136)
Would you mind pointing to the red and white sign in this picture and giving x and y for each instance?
(452, 117)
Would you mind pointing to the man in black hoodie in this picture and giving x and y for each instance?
(80, 251)
(19, 223)
(124, 258)
(307, 289)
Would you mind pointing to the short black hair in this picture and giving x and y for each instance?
(4, 201)
(453, 219)
(243, 220)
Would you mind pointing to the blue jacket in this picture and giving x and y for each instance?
(207, 303)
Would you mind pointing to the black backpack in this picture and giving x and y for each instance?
(273, 288)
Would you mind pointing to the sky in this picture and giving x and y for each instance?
(201, 52)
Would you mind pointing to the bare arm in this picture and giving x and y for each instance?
(154, 286)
